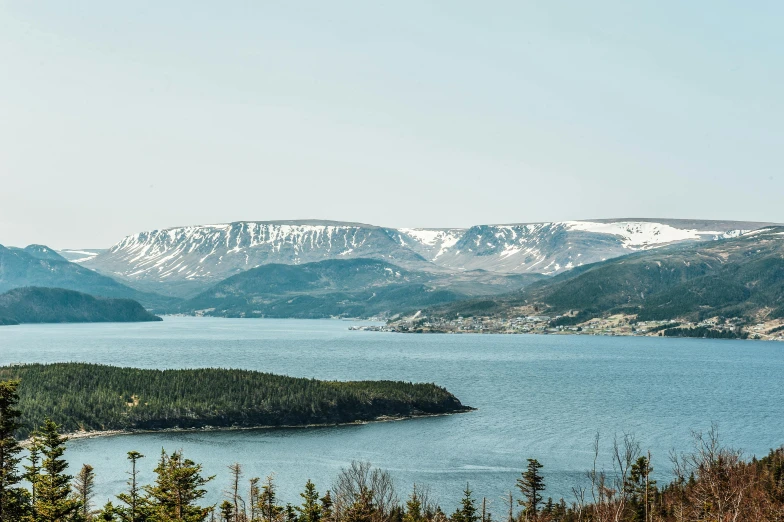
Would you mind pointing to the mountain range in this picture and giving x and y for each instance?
(184, 261)
(328, 269)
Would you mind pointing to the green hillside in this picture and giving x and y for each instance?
(340, 288)
(56, 305)
(741, 277)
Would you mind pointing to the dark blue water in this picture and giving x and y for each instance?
(537, 396)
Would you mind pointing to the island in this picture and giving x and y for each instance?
(93, 398)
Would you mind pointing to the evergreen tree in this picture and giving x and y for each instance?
(14, 500)
(549, 506)
(326, 507)
(413, 508)
(310, 511)
(54, 502)
(177, 489)
(531, 485)
(107, 514)
(641, 489)
(33, 473)
(467, 511)
(290, 513)
(363, 509)
(132, 512)
(439, 516)
(268, 501)
(560, 510)
(254, 498)
(227, 511)
(84, 486)
(395, 514)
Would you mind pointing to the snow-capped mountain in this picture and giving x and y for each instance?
(194, 256)
(549, 248)
(209, 253)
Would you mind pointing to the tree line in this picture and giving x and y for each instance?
(712, 483)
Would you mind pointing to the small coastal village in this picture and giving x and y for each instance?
(620, 324)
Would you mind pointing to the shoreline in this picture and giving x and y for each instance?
(577, 334)
(81, 435)
(756, 334)
(580, 323)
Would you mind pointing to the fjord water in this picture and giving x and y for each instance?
(537, 396)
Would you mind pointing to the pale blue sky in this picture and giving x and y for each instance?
(117, 117)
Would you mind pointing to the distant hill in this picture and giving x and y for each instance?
(343, 288)
(333, 288)
(56, 305)
(741, 277)
(184, 261)
(37, 265)
(41, 252)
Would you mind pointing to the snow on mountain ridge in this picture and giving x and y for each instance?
(646, 234)
(551, 247)
(236, 238)
(213, 252)
(423, 235)
(637, 234)
(216, 251)
(440, 239)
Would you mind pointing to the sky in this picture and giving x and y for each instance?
(118, 117)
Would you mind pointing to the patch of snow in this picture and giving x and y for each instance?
(423, 235)
(755, 232)
(637, 234)
(87, 255)
(443, 239)
(510, 250)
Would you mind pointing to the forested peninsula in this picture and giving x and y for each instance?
(91, 397)
(58, 305)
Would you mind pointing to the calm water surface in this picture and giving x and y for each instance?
(537, 396)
